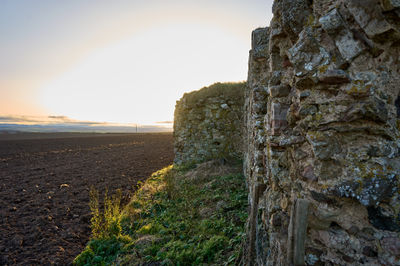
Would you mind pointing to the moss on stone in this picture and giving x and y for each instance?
(323, 69)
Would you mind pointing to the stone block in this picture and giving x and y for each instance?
(295, 14)
(308, 173)
(320, 197)
(383, 220)
(334, 25)
(279, 111)
(363, 83)
(259, 108)
(275, 61)
(277, 126)
(388, 5)
(275, 78)
(321, 218)
(259, 37)
(304, 94)
(276, 219)
(278, 117)
(324, 145)
(368, 16)
(332, 22)
(357, 89)
(369, 192)
(297, 232)
(306, 110)
(279, 90)
(290, 140)
(348, 46)
(374, 109)
(333, 76)
(303, 83)
(260, 52)
(392, 244)
(306, 55)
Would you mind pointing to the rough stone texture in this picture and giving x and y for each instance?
(208, 123)
(322, 140)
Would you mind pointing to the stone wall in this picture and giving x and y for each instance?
(208, 123)
(322, 156)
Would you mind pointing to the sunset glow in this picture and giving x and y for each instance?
(122, 63)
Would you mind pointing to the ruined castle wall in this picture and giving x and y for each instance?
(322, 145)
(208, 123)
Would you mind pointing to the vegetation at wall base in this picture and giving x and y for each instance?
(182, 215)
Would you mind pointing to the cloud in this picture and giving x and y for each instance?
(17, 119)
(62, 117)
(65, 124)
(52, 119)
(7, 118)
(164, 122)
(66, 120)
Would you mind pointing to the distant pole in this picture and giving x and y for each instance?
(136, 128)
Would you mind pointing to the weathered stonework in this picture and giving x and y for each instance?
(208, 124)
(322, 141)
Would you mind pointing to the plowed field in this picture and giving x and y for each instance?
(44, 188)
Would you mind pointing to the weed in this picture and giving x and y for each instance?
(107, 241)
(105, 223)
(96, 220)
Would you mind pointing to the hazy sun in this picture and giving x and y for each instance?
(139, 79)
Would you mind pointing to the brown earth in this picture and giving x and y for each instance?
(45, 182)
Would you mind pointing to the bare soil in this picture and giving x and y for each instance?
(45, 182)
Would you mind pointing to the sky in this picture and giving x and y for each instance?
(120, 61)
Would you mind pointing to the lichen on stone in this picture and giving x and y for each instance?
(334, 139)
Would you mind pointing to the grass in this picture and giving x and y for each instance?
(228, 90)
(179, 216)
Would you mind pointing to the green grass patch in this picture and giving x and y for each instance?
(179, 216)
